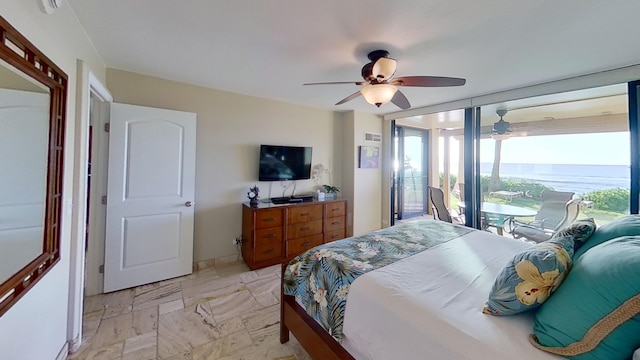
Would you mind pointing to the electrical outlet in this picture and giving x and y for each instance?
(237, 241)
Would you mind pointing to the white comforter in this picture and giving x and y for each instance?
(430, 304)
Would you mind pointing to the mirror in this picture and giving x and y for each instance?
(33, 94)
(24, 129)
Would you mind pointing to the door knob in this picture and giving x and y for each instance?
(189, 203)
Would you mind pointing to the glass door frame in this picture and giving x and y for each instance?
(398, 179)
(472, 162)
(634, 129)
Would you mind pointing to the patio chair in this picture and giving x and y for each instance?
(440, 211)
(543, 228)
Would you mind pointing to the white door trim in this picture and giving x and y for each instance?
(88, 84)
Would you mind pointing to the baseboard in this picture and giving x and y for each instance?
(74, 344)
(218, 262)
(64, 352)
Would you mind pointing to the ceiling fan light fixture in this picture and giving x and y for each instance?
(384, 68)
(378, 94)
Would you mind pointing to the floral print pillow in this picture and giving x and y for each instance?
(581, 230)
(534, 274)
(530, 277)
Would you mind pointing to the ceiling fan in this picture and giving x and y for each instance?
(380, 87)
(501, 127)
(502, 130)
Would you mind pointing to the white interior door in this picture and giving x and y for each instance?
(150, 196)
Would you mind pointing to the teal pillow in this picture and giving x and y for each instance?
(595, 314)
(530, 277)
(625, 226)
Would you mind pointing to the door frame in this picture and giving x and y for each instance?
(88, 85)
(398, 181)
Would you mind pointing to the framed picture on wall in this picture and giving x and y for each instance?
(369, 157)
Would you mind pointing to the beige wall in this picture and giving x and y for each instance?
(36, 326)
(363, 187)
(230, 129)
(368, 182)
(348, 120)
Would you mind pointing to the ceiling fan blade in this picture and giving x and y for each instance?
(427, 81)
(384, 68)
(400, 100)
(349, 98)
(338, 82)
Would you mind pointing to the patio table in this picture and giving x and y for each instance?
(496, 214)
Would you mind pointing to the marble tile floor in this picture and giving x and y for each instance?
(221, 313)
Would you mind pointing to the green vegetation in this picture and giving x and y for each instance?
(608, 204)
(614, 200)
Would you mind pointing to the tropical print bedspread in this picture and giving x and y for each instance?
(320, 277)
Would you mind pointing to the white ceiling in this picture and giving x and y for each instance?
(268, 49)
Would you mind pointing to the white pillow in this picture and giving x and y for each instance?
(636, 355)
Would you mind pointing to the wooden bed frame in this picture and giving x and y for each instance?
(315, 340)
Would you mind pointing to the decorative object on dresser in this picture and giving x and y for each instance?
(272, 234)
(254, 196)
(331, 192)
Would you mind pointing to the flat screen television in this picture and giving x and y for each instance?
(279, 162)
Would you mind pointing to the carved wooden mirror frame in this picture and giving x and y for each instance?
(17, 51)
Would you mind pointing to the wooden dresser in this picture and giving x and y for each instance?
(272, 234)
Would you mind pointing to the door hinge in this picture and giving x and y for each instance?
(101, 269)
(104, 200)
(107, 127)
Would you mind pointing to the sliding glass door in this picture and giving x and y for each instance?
(575, 145)
(584, 144)
(411, 173)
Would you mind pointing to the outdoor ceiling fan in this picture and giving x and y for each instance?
(501, 127)
(380, 87)
(502, 130)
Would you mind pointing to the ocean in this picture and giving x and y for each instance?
(580, 179)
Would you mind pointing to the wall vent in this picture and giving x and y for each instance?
(373, 137)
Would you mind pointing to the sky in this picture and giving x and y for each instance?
(584, 149)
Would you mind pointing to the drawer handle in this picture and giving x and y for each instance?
(306, 243)
(269, 236)
(335, 223)
(269, 219)
(306, 228)
(334, 237)
(270, 251)
(304, 214)
(335, 209)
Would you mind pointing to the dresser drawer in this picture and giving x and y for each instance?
(301, 214)
(334, 209)
(334, 235)
(335, 223)
(268, 244)
(266, 218)
(268, 235)
(298, 246)
(304, 229)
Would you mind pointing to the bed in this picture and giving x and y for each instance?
(424, 300)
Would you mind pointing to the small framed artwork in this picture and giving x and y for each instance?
(369, 157)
